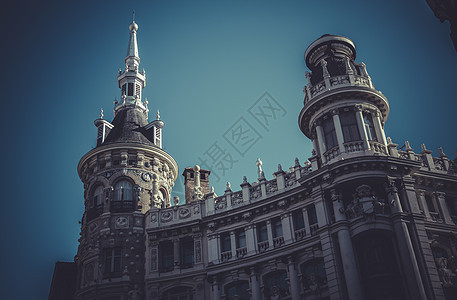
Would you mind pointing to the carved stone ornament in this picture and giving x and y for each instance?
(166, 216)
(184, 213)
(364, 203)
(146, 177)
(122, 222)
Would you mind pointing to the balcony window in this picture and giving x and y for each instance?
(369, 127)
(277, 228)
(187, 252)
(123, 195)
(312, 215)
(299, 221)
(240, 239)
(329, 133)
(226, 244)
(262, 232)
(166, 259)
(349, 126)
(112, 262)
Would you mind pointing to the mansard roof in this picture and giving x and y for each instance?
(129, 128)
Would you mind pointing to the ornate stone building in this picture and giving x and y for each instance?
(361, 219)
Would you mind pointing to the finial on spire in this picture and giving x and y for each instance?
(158, 115)
(133, 16)
(101, 113)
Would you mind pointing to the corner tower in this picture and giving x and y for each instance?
(343, 113)
(124, 176)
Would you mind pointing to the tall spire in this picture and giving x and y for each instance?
(131, 81)
(132, 60)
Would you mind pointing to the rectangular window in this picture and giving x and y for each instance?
(123, 89)
(429, 201)
(329, 133)
(262, 232)
(349, 126)
(130, 89)
(166, 259)
(277, 227)
(226, 244)
(299, 221)
(240, 239)
(369, 127)
(312, 216)
(112, 261)
(187, 252)
(451, 206)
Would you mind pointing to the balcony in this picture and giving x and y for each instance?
(332, 153)
(278, 241)
(262, 246)
(353, 146)
(240, 252)
(225, 256)
(121, 206)
(300, 234)
(313, 228)
(336, 82)
(378, 147)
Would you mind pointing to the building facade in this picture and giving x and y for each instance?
(361, 219)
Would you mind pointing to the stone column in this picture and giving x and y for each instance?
(287, 228)
(213, 248)
(215, 288)
(351, 273)
(441, 199)
(378, 127)
(255, 286)
(408, 194)
(293, 279)
(270, 234)
(316, 145)
(306, 220)
(251, 245)
(338, 130)
(361, 125)
(233, 243)
(318, 200)
(321, 141)
(421, 199)
(176, 253)
(407, 256)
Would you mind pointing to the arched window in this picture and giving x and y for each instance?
(123, 195)
(313, 274)
(95, 206)
(237, 290)
(179, 293)
(97, 197)
(275, 285)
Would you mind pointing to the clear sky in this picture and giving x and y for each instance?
(207, 64)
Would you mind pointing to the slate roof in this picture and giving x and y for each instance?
(129, 128)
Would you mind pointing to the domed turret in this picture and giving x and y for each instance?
(343, 113)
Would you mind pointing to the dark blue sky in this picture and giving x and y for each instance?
(207, 63)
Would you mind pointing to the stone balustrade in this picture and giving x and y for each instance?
(240, 252)
(336, 82)
(332, 153)
(263, 246)
(428, 162)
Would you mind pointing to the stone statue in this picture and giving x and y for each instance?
(258, 163)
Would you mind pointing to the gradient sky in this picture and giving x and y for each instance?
(207, 63)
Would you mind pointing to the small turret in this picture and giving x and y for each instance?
(343, 113)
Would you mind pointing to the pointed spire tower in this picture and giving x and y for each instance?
(131, 81)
